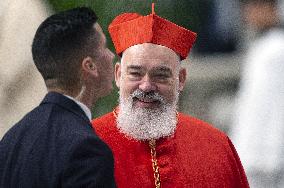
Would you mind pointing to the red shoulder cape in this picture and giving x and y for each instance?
(198, 155)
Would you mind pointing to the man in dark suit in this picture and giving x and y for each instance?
(54, 145)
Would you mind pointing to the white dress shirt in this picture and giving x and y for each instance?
(83, 107)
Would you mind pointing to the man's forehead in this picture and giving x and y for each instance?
(149, 65)
(150, 55)
(146, 62)
(146, 47)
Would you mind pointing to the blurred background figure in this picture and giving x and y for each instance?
(258, 131)
(21, 86)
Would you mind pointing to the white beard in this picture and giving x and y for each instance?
(145, 123)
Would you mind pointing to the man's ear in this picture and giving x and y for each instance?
(117, 74)
(182, 78)
(89, 67)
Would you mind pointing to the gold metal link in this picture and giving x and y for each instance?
(152, 144)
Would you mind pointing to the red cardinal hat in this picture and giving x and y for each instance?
(129, 29)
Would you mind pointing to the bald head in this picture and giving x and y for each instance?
(151, 51)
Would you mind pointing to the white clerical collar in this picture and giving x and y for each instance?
(83, 106)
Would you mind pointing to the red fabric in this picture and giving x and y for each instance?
(198, 155)
(129, 29)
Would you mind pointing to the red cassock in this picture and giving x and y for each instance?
(197, 155)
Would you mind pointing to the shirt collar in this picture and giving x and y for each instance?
(83, 106)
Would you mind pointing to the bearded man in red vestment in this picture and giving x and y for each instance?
(153, 144)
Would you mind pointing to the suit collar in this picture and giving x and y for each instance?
(65, 102)
(83, 107)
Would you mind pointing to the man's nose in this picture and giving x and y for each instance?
(147, 85)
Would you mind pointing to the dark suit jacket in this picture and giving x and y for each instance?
(55, 146)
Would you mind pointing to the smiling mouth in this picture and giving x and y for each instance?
(145, 102)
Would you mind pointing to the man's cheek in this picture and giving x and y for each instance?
(168, 95)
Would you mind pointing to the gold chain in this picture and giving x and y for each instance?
(152, 144)
(114, 113)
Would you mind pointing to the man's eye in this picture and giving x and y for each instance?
(135, 73)
(161, 76)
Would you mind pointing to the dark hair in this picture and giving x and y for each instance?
(61, 42)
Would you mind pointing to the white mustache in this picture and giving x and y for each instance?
(147, 95)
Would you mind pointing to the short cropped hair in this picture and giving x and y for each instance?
(61, 42)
